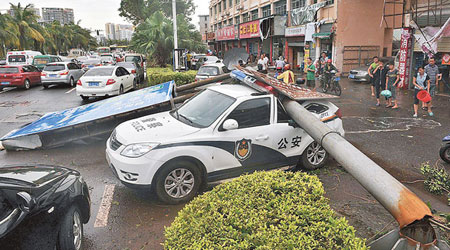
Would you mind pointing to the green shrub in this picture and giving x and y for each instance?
(262, 211)
(437, 180)
(160, 75)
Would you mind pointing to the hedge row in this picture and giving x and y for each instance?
(262, 211)
(160, 75)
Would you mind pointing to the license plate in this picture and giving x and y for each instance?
(53, 75)
(93, 84)
(351, 76)
(90, 66)
(5, 83)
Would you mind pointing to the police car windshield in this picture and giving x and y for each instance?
(202, 110)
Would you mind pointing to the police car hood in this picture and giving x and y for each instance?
(161, 127)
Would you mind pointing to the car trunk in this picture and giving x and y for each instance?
(94, 81)
(54, 71)
(8, 75)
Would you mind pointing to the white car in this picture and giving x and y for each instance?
(222, 132)
(210, 70)
(104, 81)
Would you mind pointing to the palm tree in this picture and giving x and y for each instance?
(8, 34)
(29, 31)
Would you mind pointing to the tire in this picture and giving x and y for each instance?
(313, 157)
(1, 88)
(445, 153)
(324, 88)
(45, 86)
(26, 85)
(72, 83)
(70, 235)
(121, 89)
(84, 97)
(337, 89)
(171, 195)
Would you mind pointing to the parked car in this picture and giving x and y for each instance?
(359, 74)
(90, 63)
(61, 73)
(444, 151)
(222, 132)
(104, 81)
(209, 70)
(3, 62)
(42, 207)
(206, 60)
(138, 58)
(21, 76)
(21, 57)
(134, 69)
(42, 60)
(107, 59)
(194, 60)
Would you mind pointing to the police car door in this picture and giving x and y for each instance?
(252, 137)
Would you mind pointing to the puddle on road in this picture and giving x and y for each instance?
(387, 124)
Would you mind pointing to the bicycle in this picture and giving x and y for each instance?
(332, 84)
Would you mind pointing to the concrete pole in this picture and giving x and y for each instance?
(175, 35)
(404, 205)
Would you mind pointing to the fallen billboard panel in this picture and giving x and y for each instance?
(60, 127)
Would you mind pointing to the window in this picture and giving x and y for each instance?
(206, 26)
(71, 66)
(230, 3)
(280, 7)
(252, 113)
(254, 14)
(224, 4)
(266, 11)
(283, 117)
(237, 1)
(220, 7)
(230, 21)
(298, 4)
(245, 17)
(237, 20)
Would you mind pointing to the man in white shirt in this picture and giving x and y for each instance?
(263, 63)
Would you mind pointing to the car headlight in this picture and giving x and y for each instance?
(138, 149)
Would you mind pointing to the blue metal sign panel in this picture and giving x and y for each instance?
(112, 106)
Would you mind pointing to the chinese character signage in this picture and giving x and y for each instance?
(295, 31)
(226, 33)
(211, 36)
(404, 56)
(249, 30)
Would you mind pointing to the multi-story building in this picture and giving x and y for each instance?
(62, 15)
(203, 24)
(110, 31)
(119, 31)
(297, 29)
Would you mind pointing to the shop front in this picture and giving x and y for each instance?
(226, 38)
(295, 37)
(325, 38)
(249, 34)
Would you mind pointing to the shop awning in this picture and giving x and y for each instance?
(322, 35)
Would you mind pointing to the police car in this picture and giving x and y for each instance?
(222, 132)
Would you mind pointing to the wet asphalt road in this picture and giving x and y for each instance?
(136, 219)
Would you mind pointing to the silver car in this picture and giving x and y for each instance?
(134, 69)
(61, 73)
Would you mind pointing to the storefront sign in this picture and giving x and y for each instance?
(226, 33)
(211, 35)
(249, 30)
(404, 57)
(295, 31)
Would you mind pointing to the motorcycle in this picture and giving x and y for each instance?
(332, 84)
(444, 152)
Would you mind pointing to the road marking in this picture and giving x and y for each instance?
(70, 90)
(6, 90)
(105, 206)
(388, 124)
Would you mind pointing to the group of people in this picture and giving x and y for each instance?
(321, 70)
(388, 78)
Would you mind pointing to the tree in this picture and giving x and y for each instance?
(8, 35)
(29, 31)
(136, 11)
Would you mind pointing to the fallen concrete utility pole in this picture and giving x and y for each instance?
(411, 213)
(203, 82)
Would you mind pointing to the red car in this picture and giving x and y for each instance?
(23, 76)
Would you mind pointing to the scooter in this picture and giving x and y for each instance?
(445, 149)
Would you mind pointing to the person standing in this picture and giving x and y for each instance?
(432, 72)
(370, 70)
(392, 79)
(310, 70)
(421, 82)
(188, 58)
(287, 75)
(262, 66)
(266, 61)
(376, 75)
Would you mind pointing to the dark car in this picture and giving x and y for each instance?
(22, 76)
(42, 207)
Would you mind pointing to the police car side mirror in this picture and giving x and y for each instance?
(230, 124)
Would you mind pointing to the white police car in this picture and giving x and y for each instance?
(221, 132)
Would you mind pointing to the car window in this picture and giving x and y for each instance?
(119, 72)
(54, 67)
(34, 69)
(252, 113)
(282, 116)
(125, 71)
(71, 66)
(99, 71)
(40, 61)
(16, 58)
(208, 71)
(9, 70)
(25, 69)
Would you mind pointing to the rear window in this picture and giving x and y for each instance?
(16, 58)
(103, 50)
(126, 65)
(100, 72)
(55, 67)
(208, 71)
(133, 59)
(9, 70)
(106, 58)
(37, 61)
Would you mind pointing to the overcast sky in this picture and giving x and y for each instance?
(95, 13)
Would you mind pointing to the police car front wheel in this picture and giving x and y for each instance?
(313, 157)
(178, 182)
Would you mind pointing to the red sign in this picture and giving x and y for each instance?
(249, 30)
(404, 57)
(226, 33)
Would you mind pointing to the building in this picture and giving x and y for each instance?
(119, 31)
(203, 25)
(62, 15)
(349, 31)
(36, 11)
